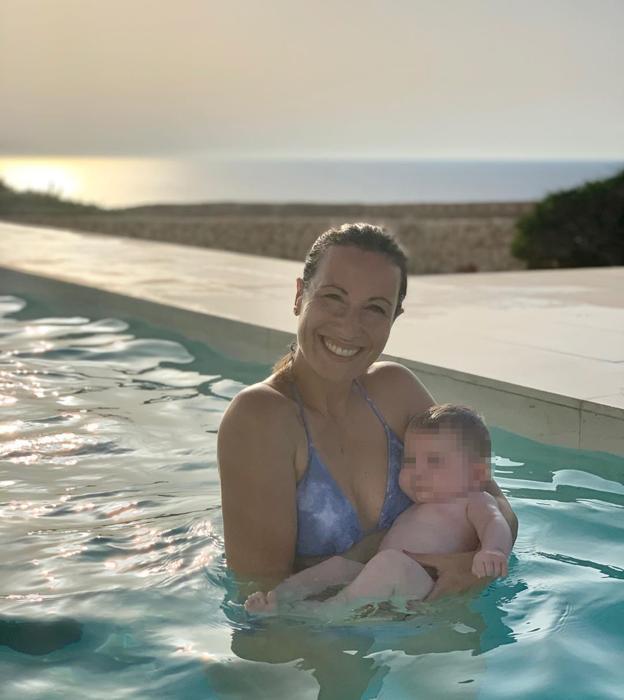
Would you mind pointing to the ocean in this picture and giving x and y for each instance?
(117, 182)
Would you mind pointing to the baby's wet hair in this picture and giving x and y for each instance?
(470, 427)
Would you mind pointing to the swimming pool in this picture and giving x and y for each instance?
(112, 579)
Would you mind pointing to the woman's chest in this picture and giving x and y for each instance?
(354, 455)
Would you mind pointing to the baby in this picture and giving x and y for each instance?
(446, 462)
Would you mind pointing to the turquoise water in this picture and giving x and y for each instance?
(112, 579)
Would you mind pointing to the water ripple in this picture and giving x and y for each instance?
(112, 532)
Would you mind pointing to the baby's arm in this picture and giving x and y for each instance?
(494, 533)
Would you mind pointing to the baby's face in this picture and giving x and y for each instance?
(435, 467)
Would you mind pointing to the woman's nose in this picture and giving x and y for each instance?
(351, 318)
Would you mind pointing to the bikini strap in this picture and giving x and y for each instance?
(372, 405)
(364, 394)
(302, 414)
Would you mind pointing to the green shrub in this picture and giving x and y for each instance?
(583, 227)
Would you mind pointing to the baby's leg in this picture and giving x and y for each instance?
(315, 579)
(389, 573)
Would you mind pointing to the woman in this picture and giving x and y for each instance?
(309, 457)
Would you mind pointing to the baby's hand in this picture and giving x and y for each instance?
(489, 562)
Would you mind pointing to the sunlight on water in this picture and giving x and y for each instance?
(122, 182)
(113, 583)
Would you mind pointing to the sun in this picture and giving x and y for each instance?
(40, 176)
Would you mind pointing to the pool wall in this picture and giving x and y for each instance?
(540, 415)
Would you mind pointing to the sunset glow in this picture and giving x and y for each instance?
(40, 176)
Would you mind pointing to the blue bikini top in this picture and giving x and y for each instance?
(327, 523)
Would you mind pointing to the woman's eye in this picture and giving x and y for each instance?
(378, 309)
(334, 296)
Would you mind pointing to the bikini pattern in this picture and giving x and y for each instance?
(327, 522)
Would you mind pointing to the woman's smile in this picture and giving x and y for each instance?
(338, 349)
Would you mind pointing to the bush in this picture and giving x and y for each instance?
(583, 227)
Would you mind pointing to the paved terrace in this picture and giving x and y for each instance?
(540, 353)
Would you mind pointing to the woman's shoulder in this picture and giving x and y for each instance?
(259, 424)
(264, 403)
(395, 387)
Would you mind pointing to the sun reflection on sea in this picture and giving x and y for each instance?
(41, 176)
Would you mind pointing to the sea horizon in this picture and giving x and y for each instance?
(127, 182)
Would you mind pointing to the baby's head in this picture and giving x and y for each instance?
(446, 455)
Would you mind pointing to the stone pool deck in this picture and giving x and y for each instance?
(540, 353)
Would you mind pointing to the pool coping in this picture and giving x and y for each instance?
(540, 415)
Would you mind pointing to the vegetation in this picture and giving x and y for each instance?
(582, 227)
(13, 203)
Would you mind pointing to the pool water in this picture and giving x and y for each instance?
(112, 577)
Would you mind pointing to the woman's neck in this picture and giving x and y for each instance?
(329, 398)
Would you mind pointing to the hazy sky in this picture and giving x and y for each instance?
(391, 78)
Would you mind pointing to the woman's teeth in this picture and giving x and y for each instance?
(337, 350)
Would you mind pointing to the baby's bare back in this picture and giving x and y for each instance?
(432, 528)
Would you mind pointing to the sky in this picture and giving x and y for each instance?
(330, 78)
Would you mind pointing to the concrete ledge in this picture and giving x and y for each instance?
(242, 341)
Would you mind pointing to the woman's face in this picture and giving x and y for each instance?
(346, 314)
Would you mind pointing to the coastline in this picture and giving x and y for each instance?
(440, 238)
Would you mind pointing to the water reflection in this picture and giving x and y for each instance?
(438, 650)
(114, 532)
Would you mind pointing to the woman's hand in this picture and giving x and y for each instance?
(453, 572)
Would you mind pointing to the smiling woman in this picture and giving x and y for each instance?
(310, 457)
(365, 239)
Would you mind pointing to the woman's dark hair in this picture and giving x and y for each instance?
(366, 237)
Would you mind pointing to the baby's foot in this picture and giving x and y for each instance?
(261, 602)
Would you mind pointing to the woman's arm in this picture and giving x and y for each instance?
(258, 489)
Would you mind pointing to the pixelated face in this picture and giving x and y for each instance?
(436, 467)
